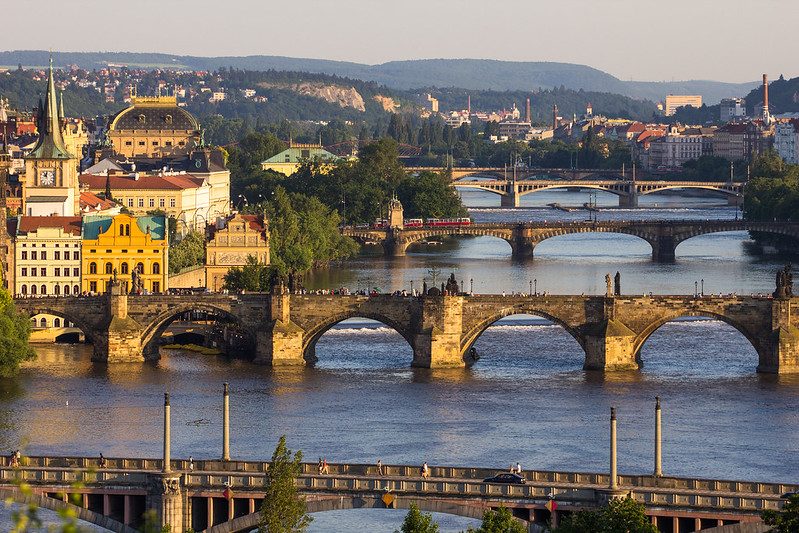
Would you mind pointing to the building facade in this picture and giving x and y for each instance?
(676, 101)
(672, 151)
(153, 127)
(231, 243)
(47, 256)
(127, 248)
(786, 141)
(289, 160)
(731, 109)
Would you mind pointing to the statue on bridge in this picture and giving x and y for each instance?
(784, 282)
(609, 286)
(136, 283)
(452, 285)
(617, 284)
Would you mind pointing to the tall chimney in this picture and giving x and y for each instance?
(766, 117)
(527, 115)
(555, 117)
(469, 104)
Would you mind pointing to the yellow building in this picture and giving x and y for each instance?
(153, 126)
(128, 248)
(231, 243)
(676, 101)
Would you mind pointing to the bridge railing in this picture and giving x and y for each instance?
(255, 468)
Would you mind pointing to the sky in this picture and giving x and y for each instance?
(725, 40)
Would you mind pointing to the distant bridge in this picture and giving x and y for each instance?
(663, 236)
(523, 173)
(512, 188)
(283, 329)
(215, 496)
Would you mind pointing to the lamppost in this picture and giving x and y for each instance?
(535, 285)
(471, 286)
(530, 292)
(411, 287)
(702, 291)
(696, 289)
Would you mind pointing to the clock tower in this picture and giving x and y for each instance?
(51, 184)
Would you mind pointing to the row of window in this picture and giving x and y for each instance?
(35, 290)
(124, 268)
(57, 272)
(42, 323)
(75, 256)
(56, 245)
(150, 202)
(155, 143)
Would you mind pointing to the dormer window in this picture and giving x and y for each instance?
(168, 119)
(142, 119)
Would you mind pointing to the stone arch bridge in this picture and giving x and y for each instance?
(663, 236)
(441, 330)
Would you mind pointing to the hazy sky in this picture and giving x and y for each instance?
(729, 40)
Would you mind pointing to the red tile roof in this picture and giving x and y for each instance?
(155, 182)
(89, 200)
(68, 224)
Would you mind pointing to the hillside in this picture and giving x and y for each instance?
(472, 74)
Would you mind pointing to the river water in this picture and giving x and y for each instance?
(526, 400)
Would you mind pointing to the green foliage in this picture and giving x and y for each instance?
(786, 520)
(189, 251)
(418, 522)
(152, 523)
(429, 194)
(15, 330)
(283, 509)
(623, 515)
(499, 521)
(253, 276)
(773, 193)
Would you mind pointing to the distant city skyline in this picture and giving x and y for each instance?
(679, 40)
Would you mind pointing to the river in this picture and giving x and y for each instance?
(526, 400)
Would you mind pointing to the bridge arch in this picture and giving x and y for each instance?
(651, 328)
(469, 338)
(566, 231)
(312, 336)
(81, 513)
(471, 509)
(158, 325)
(86, 328)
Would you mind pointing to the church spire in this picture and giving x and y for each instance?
(51, 142)
(61, 114)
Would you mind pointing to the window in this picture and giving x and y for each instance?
(44, 272)
(128, 143)
(127, 230)
(57, 255)
(140, 268)
(142, 143)
(56, 321)
(156, 268)
(44, 255)
(76, 272)
(155, 143)
(156, 286)
(162, 202)
(109, 269)
(66, 290)
(66, 256)
(43, 321)
(34, 255)
(57, 291)
(181, 143)
(75, 255)
(93, 286)
(141, 202)
(130, 202)
(152, 202)
(57, 272)
(24, 289)
(124, 268)
(122, 229)
(24, 272)
(24, 254)
(33, 289)
(168, 120)
(92, 268)
(75, 290)
(168, 143)
(33, 272)
(142, 118)
(171, 202)
(44, 289)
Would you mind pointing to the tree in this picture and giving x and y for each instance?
(623, 515)
(429, 195)
(283, 509)
(786, 520)
(15, 330)
(418, 522)
(499, 521)
(187, 252)
(253, 276)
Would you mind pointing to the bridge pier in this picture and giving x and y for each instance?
(522, 248)
(628, 200)
(393, 247)
(783, 355)
(510, 199)
(280, 343)
(735, 200)
(438, 344)
(610, 346)
(165, 496)
(664, 249)
(122, 340)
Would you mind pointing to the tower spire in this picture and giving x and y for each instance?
(50, 144)
(61, 114)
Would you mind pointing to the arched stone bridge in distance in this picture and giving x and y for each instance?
(117, 495)
(615, 181)
(440, 329)
(663, 236)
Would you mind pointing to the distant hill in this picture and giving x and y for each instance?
(783, 97)
(475, 74)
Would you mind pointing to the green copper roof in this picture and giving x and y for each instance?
(51, 143)
(299, 154)
(94, 225)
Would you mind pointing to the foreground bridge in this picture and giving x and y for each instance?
(225, 496)
(662, 235)
(283, 329)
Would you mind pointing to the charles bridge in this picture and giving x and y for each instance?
(520, 183)
(441, 327)
(662, 235)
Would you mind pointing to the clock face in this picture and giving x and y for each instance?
(47, 177)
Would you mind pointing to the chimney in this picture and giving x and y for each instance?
(555, 117)
(766, 116)
(469, 104)
(527, 114)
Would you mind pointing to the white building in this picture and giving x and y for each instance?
(673, 150)
(786, 141)
(732, 109)
(47, 255)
